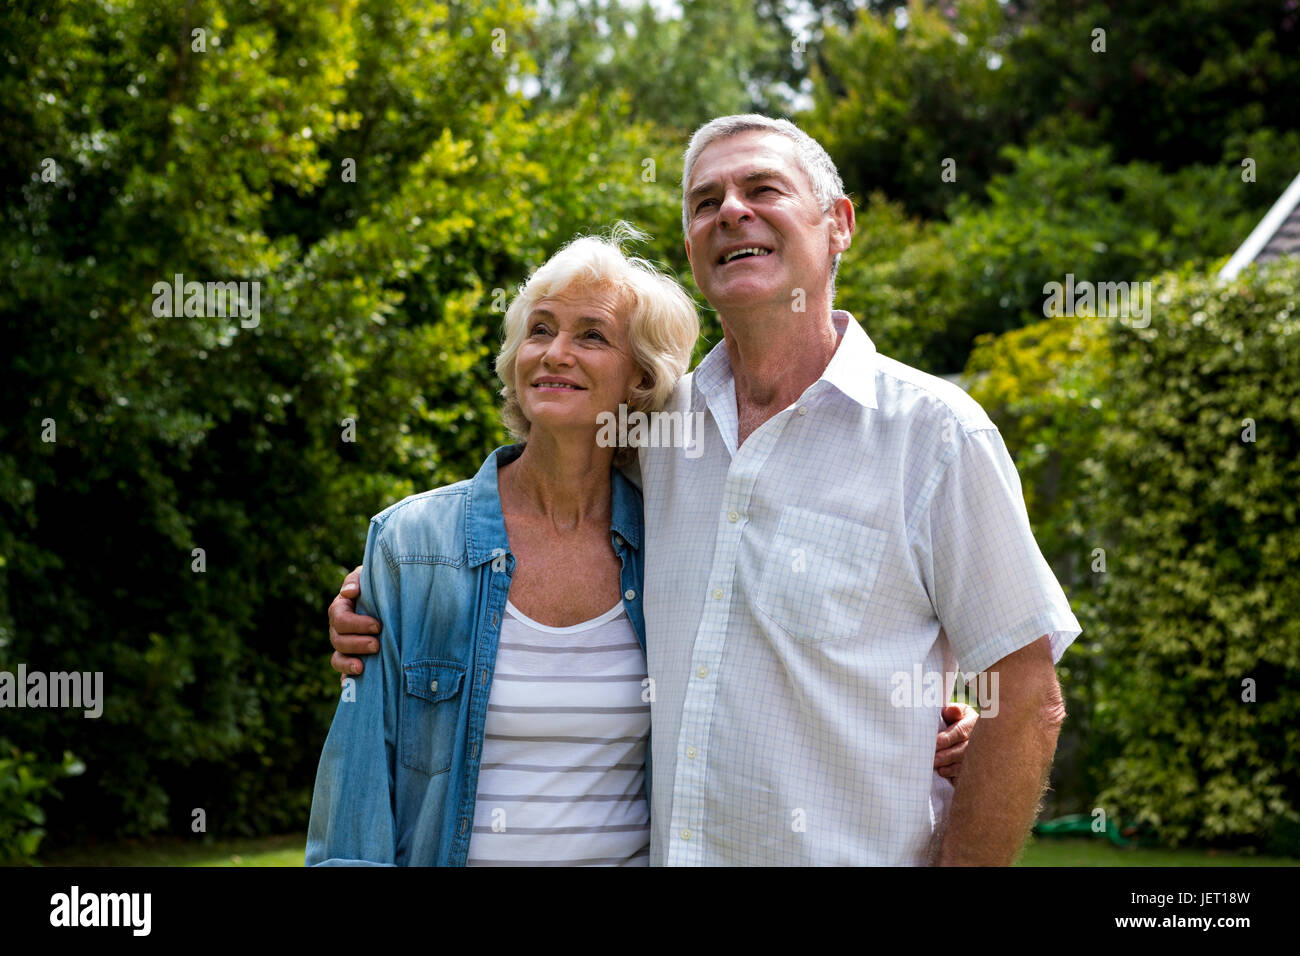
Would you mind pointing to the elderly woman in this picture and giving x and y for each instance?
(506, 718)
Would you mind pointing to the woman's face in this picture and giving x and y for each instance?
(575, 361)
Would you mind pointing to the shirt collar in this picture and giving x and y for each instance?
(852, 369)
(714, 370)
(625, 516)
(485, 525)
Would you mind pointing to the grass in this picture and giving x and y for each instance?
(1085, 852)
(288, 851)
(261, 851)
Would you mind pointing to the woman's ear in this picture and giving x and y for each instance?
(643, 385)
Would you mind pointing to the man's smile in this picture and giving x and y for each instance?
(736, 253)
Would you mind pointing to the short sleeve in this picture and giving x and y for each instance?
(993, 591)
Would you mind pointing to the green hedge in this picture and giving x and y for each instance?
(1201, 593)
(1136, 441)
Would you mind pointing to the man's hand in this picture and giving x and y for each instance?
(351, 633)
(950, 745)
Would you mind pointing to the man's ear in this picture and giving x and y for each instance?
(843, 223)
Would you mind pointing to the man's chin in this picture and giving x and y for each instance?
(746, 295)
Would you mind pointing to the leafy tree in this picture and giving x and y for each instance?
(373, 168)
(1175, 82)
(679, 71)
(1168, 85)
(918, 113)
(931, 289)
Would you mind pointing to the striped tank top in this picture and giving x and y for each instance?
(562, 781)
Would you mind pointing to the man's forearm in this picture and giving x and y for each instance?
(1006, 767)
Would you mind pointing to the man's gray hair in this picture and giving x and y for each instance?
(816, 163)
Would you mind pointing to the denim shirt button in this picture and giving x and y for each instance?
(434, 687)
(629, 594)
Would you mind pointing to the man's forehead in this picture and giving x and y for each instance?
(744, 154)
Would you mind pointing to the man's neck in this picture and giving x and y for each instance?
(774, 359)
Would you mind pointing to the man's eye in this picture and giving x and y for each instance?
(703, 203)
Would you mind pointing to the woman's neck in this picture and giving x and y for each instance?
(564, 479)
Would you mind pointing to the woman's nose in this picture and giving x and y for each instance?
(559, 352)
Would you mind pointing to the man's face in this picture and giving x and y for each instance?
(748, 191)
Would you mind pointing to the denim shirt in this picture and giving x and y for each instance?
(398, 777)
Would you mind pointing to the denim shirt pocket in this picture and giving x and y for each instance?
(430, 714)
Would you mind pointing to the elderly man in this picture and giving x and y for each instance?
(847, 527)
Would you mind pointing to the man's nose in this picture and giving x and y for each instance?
(733, 210)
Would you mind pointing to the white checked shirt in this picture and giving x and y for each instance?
(874, 527)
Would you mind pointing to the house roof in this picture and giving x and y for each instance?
(1278, 234)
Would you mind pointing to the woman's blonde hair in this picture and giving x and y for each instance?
(662, 322)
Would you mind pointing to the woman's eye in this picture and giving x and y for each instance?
(536, 329)
(593, 334)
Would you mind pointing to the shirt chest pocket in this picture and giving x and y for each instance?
(817, 577)
(430, 714)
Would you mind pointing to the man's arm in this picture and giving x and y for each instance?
(1007, 761)
(351, 633)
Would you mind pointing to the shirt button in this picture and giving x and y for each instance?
(434, 687)
(803, 410)
(717, 594)
(703, 672)
(686, 834)
(629, 594)
(690, 752)
(734, 516)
